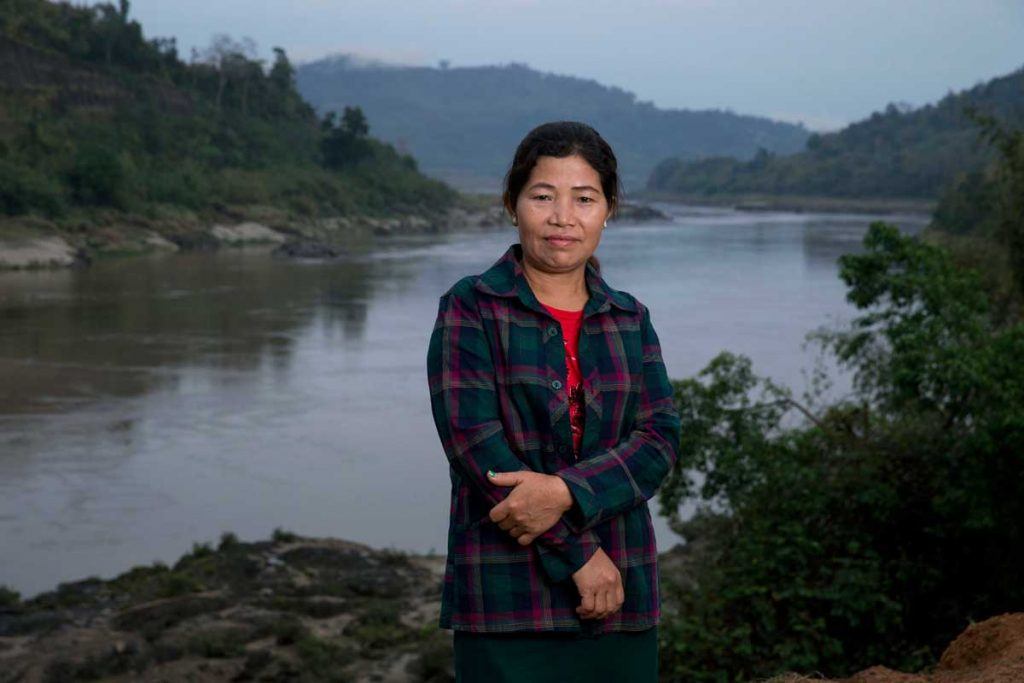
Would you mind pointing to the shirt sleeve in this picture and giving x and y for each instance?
(463, 397)
(612, 481)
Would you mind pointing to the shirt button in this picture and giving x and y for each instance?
(556, 385)
(552, 331)
(562, 448)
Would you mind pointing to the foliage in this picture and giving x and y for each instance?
(23, 189)
(981, 217)
(966, 205)
(9, 597)
(345, 144)
(895, 153)
(880, 527)
(140, 128)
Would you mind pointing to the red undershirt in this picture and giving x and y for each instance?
(571, 322)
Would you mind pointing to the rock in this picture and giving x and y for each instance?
(195, 241)
(307, 249)
(38, 252)
(158, 243)
(639, 213)
(246, 233)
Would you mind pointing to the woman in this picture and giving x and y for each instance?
(556, 415)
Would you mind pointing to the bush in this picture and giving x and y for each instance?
(97, 176)
(23, 189)
(877, 530)
(9, 597)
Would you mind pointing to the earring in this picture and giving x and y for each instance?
(606, 224)
(515, 220)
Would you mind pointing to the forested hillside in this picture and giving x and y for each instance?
(96, 116)
(896, 153)
(464, 123)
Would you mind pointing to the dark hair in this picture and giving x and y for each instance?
(562, 139)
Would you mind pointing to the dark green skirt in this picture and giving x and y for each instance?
(556, 657)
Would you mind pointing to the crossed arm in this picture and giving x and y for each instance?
(466, 413)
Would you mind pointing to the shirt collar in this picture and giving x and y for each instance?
(505, 278)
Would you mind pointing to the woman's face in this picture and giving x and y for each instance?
(561, 211)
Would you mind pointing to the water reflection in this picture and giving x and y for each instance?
(113, 330)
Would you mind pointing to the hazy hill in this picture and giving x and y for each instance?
(897, 153)
(463, 123)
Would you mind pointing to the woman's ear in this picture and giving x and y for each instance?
(509, 209)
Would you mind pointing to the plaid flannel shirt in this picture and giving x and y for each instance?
(496, 372)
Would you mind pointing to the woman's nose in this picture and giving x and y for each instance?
(562, 211)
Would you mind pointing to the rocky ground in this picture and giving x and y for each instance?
(286, 609)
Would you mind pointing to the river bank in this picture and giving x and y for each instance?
(798, 204)
(33, 242)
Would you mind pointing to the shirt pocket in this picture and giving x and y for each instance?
(525, 390)
(618, 358)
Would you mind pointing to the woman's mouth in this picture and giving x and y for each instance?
(560, 241)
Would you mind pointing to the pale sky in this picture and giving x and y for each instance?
(825, 63)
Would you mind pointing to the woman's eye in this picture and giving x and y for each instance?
(541, 196)
(586, 200)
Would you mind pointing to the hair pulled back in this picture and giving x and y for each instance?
(563, 139)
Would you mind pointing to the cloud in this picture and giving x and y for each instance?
(362, 55)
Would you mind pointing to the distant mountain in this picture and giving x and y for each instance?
(463, 124)
(898, 153)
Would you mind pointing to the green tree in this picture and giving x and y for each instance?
(347, 144)
(353, 122)
(1009, 181)
(984, 212)
(97, 176)
(282, 73)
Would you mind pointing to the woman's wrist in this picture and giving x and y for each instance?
(565, 499)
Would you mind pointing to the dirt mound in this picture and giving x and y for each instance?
(991, 651)
(880, 674)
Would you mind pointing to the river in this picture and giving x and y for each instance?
(149, 403)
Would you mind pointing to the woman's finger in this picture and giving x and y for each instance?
(601, 604)
(588, 603)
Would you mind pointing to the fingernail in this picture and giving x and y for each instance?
(490, 473)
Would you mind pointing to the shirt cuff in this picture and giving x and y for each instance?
(577, 516)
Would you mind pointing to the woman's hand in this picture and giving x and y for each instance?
(599, 583)
(534, 506)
